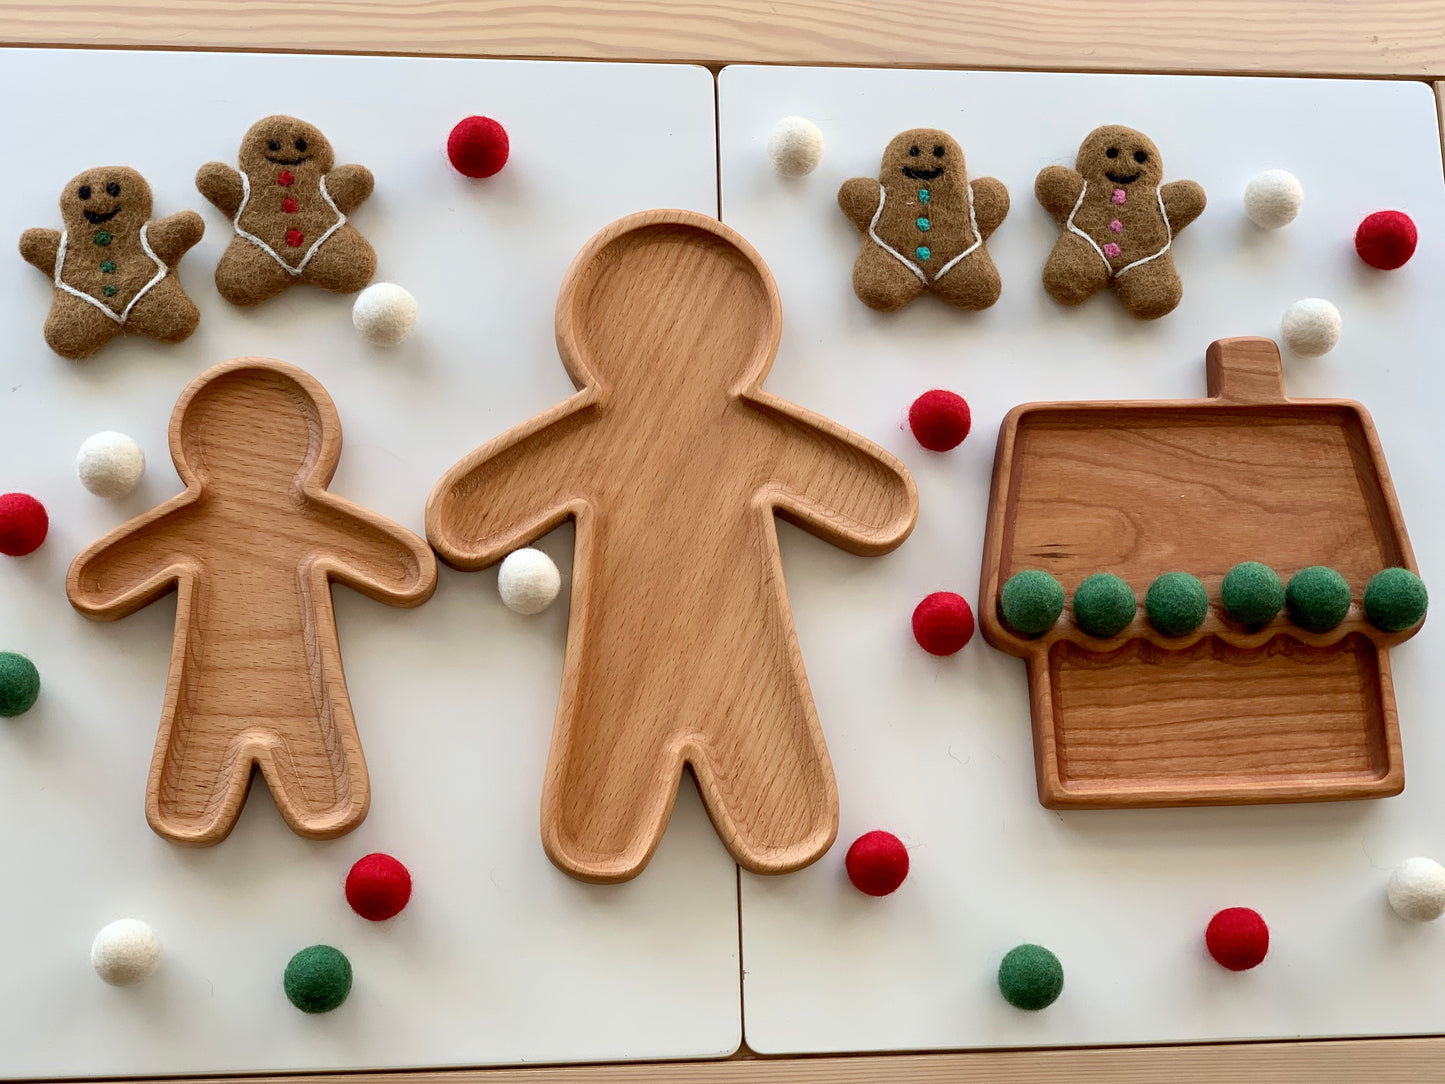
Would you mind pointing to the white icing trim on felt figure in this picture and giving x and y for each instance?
(904, 260)
(124, 314)
(1168, 234)
(311, 251)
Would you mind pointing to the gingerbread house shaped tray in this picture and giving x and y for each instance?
(1226, 714)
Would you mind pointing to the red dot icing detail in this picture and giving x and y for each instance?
(285, 178)
(294, 238)
(289, 205)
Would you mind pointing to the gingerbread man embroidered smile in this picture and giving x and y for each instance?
(674, 462)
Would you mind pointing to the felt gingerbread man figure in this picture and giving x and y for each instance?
(252, 547)
(289, 203)
(112, 265)
(1119, 220)
(674, 462)
(925, 226)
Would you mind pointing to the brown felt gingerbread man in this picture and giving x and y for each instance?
(288, 203)
(252, 547)
(112, 265)
(1119, 220)
(925, 226)
(674, 462)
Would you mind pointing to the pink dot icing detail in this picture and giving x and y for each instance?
(1111, 250)
(1116, 226)
(1120, 195)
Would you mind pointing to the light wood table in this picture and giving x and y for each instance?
(1387, 39)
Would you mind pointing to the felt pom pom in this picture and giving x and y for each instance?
(1031, 601)
(1272, 199)
(1104, 605)
(23, 524)
(110, 464)
(317, 979)
(795, 146)
(943, 623)
(1237, 938)
(125, 952)
(1176, 603)
(1030, 977)
(528, 581)
(1395, 599)
(940, 419)
(1311, 327)
(19, 684)
(384, 313)
(378, 887)
(1386, 239)
(877, 863)
(1417, 890)
(1252, 593)
(478, 147)
(1318, 598)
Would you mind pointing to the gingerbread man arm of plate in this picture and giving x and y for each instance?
(39, 248)
(222, 185)
(349, 187)
(516, 488)
(135, 564)
(173, 236)
(374, 556)
(833, 483)
(990, 204)
(1183, 202)
(858, 199)
(1058, 188)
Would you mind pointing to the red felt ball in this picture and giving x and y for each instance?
(1386, 239)
(940, 419)
(943, 623)
(478, 146)
(378, 887)
(1237, 938)
(23, 524)
(877, 863)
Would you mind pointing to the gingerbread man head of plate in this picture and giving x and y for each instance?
(280, 142)
(923, 157)
(1117, 157)
(111, 198)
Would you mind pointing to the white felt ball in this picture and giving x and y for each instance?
(796, 146)
(384, 313)
(1417, 890)
(1273, 198)
(125, 952)
(110, 464)
(528, 581)
(1311, 327)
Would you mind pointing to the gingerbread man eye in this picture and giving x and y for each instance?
(113, 188)
(301, 145)
(274, 145)
(83, 191)
(938, 151)
(1141, 157)
(1112, 152)
(913, 152)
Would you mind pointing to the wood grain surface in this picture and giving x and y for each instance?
(252, 547)
(1225, 714)
(673, 462)
(1389, 38)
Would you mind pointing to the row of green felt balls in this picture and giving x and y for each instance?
(1317, 598)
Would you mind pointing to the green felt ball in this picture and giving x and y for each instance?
(1252, 593)
(1176, 603)
(1031, 601)
(1395, 599)
(318, 978)
(1318, 598)
(1104, 605)
(19, 684)
(1030, 977)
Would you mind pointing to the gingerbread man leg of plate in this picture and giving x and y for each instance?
(973, 283)
(1074, 271)
(1150, 290)
(882, 281)
(248, 275)
(345, 262)
(165, 313)
(75, 328)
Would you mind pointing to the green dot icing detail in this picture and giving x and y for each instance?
(318, 979)
(1031, 601)
(19, 684)
(108, 266)
(1030, 977)
(108, 291)
(1395, 599)
(1318, 598)
(1176, 603)
(1252, 593)
(1104, 605)
(102, 238)
(923, 196)
(923, 252)
(925, 225)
